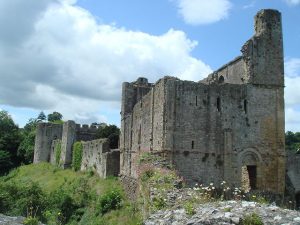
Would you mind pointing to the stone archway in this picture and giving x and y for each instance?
(249, 166)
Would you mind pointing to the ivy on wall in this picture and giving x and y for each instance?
(57, 151)
(77, 155)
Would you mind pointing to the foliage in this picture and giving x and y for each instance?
(9, 142)
(252, 219)
(55, 116)
(41, 116)
(292, 141)
(77, 156)
(26, 147)
(31, 221)
(64, 197)
(57, 152)
(111, 132)
(110, 201)
(189, 208)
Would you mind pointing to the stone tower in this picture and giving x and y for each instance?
(229, 126)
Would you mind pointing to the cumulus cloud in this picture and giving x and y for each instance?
(292, 95)
(55, 56)
(198, 12)
(292, 2)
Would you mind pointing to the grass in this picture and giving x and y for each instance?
(68, 182)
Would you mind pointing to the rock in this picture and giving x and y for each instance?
(213, 214)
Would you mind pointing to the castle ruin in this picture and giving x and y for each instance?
(228, 126)
(214, 129)
(96, 153)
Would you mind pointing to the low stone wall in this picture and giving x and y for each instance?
(130, 185)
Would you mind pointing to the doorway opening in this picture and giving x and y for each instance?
(298, 201)
(252, 176)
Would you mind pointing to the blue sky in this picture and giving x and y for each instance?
(72, 56)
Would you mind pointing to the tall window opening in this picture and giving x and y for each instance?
(196, 100)
(219, 104)
(245, 106)
(193, 144)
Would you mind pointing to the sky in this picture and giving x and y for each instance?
(72, 56)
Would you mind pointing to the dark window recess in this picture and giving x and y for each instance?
(298, 201)
(252, 176)
(219, 104)
(193, 144)
(196, 100)
(245, 106)
(221, 79)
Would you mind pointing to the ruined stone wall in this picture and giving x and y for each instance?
(45, 134)
(97, 155)
(211, 129)
(141, 127)
(85, 132)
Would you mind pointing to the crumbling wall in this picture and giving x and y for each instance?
(97, 155)
(212, 129)
(45, 134)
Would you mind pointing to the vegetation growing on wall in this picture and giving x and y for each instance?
(57, 152)
(77, 155)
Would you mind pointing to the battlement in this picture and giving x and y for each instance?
(86, 128)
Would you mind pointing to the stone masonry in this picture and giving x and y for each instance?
(96, 154)
(211, 129)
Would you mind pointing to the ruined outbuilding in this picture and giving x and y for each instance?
(214, 129)
(96, 153)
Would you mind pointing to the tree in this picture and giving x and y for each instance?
(111, 132)
(9, 142)
(26, 147)
(292, 141)
(55, 116)
(41, 116)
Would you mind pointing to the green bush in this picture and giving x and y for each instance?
(110, 201)
(31, 221)
(57, 151)
(252, 219)
(189, 208)
(77, 155)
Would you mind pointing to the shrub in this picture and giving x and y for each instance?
(147, 174)
(57, 151)
(189, 208)
(110, 201)
(252, 219)
(31, 221)
(77, 155)
(159, 203)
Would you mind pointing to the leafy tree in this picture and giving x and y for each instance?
(41, 116)
(26, 147)
(55, 116)
(111, 132)
(292, 141)
(9, 142)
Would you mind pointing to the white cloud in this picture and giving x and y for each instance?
(292, 2)
(197, 12)
(292, 94)
(70, 63)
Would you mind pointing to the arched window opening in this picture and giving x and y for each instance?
(221, 79)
